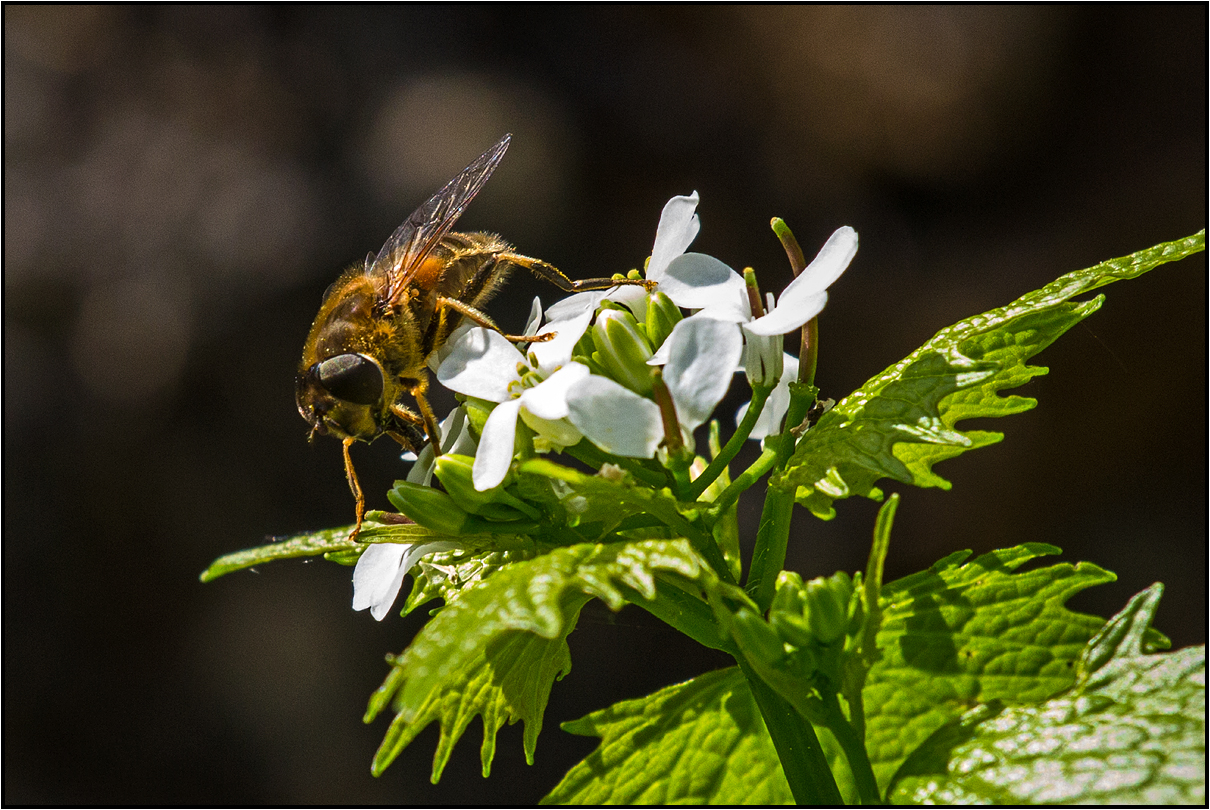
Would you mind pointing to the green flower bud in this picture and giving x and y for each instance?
(792, 627)
(828, 606)
(662, 316)
(756, 638)
(789, 595)
(431, 508)
(495, 504)
(623, 350)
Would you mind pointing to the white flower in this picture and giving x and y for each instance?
(696, 281)
(486, 365)
(380, 571)
(701, 361)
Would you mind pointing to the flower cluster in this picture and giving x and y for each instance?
(624, 369)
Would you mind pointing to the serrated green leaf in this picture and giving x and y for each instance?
(445, 574)
(539, 597)
(959, 635)
(902, 422)
(699, 742)
(509, 679)
(1133, 731)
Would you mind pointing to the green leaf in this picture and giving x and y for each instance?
(699, 742)
(508, 679)
(445, 574)
(959, 635)
(301, 545)
(902, 422)
(1133, 731)
(459, 663)
(334, 545)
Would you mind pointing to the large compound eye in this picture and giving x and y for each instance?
(351, 377)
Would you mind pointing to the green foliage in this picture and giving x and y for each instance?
(699, 742)
(1132, 731)
(968, 682)
(959, 635)
(498, 647)
(902, 422)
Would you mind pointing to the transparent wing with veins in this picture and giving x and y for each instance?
(412, 241)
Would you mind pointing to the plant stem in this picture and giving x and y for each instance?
(854, 750)
(802, 758)
(774, 532)
(759, 396)
(745, 479)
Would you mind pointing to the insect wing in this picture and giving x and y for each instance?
(418, 235)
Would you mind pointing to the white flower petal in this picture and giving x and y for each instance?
(548, 400)
(574, 305)
(615, 418)
(696, 281)
(380, 571)
(701, 362)
(832, 260)
(483, 364)
(557, 351)
(496, 446)
(677, 229)
(378, 577)
(788, 315)
(535, 318)
(438, 357)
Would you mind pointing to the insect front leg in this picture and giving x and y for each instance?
(548, 272)
(354, 485)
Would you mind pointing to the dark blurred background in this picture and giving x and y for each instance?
(181, 184)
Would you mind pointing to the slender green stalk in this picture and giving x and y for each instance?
(854, 750)
(759, 396)
(745, 480)
(802, 758)
(773, 535)
(769, 555)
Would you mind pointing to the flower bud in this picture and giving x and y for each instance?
(431, 508)
(622, 350)
(828, 606)
(662, 316)
(788, 597)
(756, 638)
(454, 472)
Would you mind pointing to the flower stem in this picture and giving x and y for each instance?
(773, 535)
(802, 758)
(854, 750)
(760, 395)
(745, 480)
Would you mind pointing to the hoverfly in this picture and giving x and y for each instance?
(380, 323)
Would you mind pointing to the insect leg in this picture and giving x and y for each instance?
(407, 428)
(548, 272)
(354, 485)
(426, 411)
(474, 315)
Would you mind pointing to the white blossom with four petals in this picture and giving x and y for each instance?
(487, 365)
